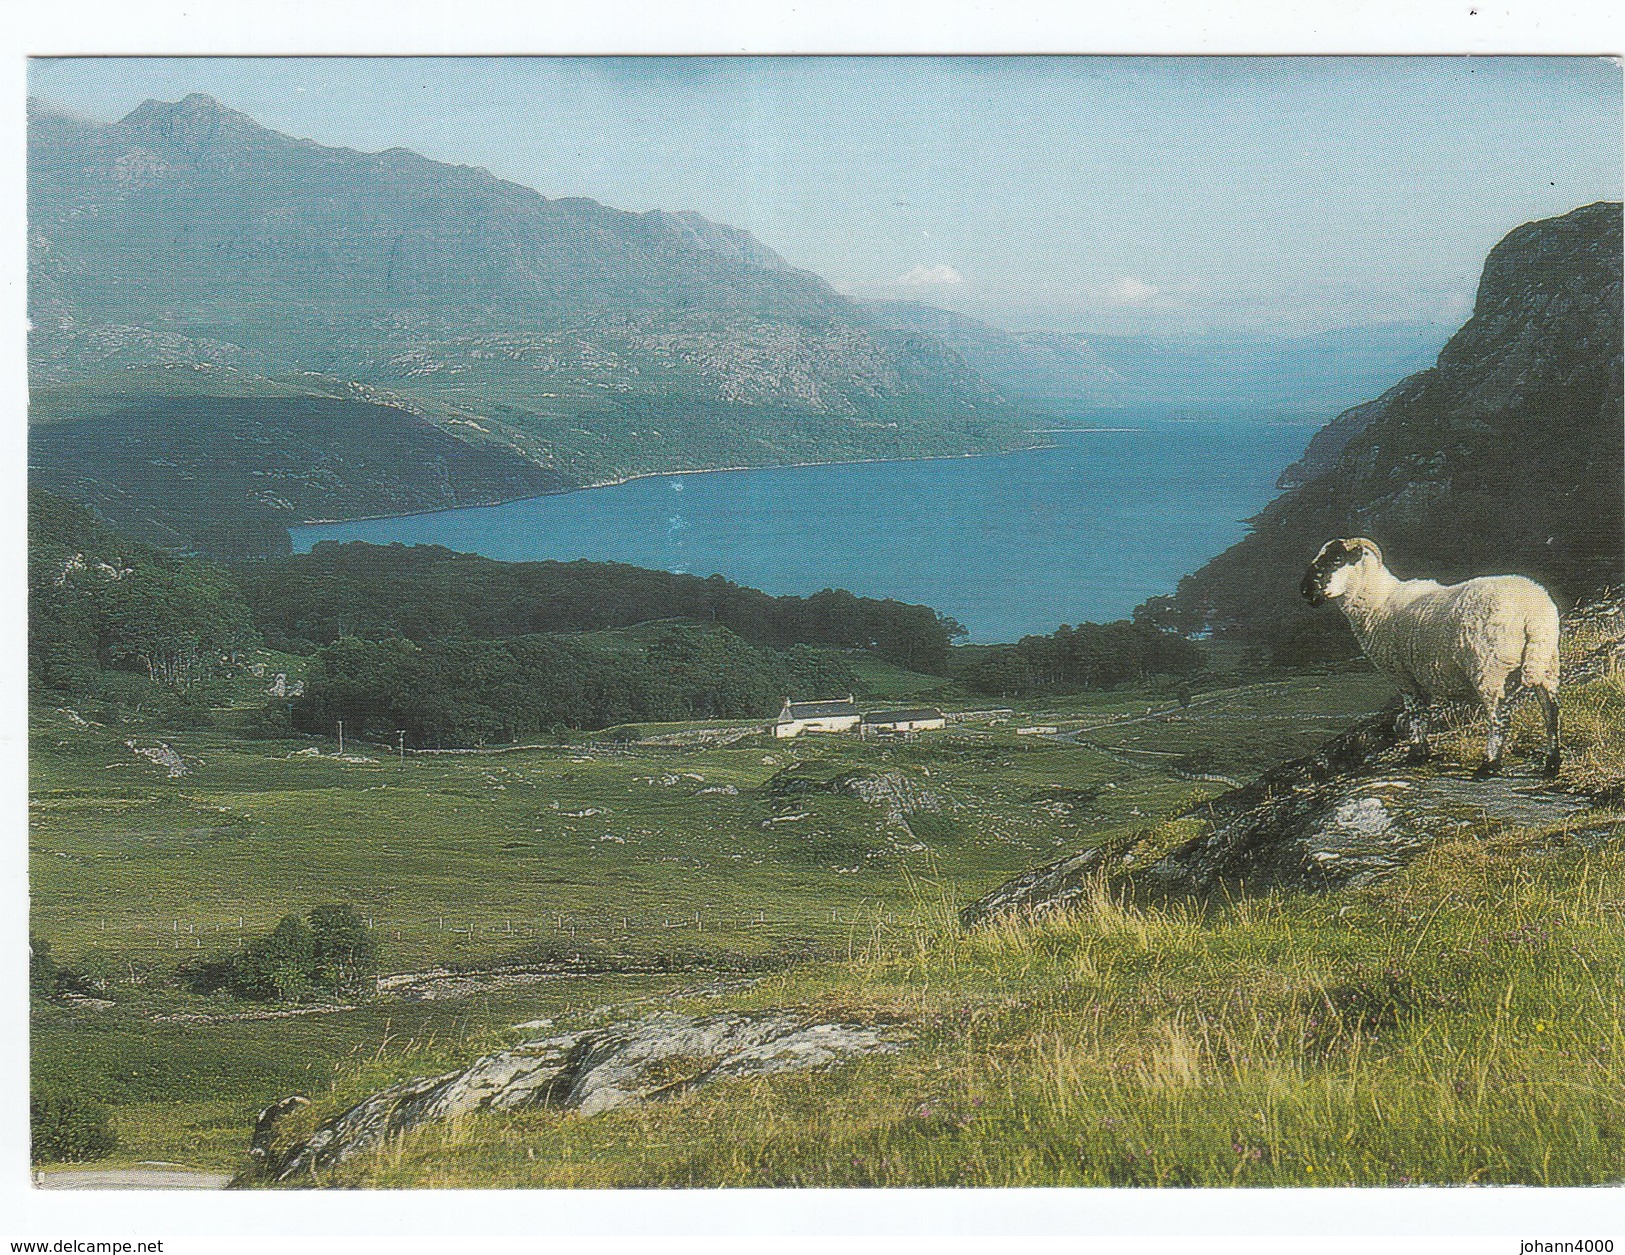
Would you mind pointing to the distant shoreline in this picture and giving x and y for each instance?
(702, 470)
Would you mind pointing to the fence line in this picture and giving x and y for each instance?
(177, 932)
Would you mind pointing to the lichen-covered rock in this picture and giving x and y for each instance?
(1053, 887)
(898, 793)
(590, 1071)
(1341, 816)
(1340, 833)
(160, 755)
(260, 1146)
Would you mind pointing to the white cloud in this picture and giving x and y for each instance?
(1130, 291)
(924, 276)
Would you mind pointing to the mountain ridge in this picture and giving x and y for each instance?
(1506, 456)
(189, 251)
(1279, 374)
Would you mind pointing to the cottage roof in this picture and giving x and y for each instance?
(914, 715)
(819, 710)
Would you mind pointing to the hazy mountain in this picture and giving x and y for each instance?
(188, 249)
(1270, 373)
(1504, 457)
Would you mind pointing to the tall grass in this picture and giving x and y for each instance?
(1461, 1024)
(1458, 1023)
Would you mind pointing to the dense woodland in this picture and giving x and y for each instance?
(1077, 659)
(475, 692)
(425, 593)
(103, 607)
(458, 650)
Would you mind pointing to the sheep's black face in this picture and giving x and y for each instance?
(1333, 555)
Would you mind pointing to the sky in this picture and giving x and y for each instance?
(1105, 194)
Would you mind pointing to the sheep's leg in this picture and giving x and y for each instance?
(1499, 709)
(1416, 726)
(1548, 708)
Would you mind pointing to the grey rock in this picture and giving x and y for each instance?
(895, 792)
(1053, 887)
(260, 1145)
(1341, 816)
(589, 1071)
(1345, 833)
(160, 755)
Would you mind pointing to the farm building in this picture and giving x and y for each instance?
(900, 722)
(819, 716)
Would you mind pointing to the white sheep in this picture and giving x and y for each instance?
(1484, 639)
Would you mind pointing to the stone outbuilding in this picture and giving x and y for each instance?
(903, 722)
(818, 716)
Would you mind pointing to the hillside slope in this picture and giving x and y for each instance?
(187, 249)
(229, 474)
(1264, 373)
(1505, 457)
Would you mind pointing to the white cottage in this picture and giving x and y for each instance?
(902, 722)
(820, 716)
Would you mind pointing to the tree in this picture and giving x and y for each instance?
(1089, 656)
(99, 601)
(180, 626)
(427, 593)
(343, 953)
(279, 966)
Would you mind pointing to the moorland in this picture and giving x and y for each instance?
(320, 824)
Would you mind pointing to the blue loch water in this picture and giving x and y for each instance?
(1008, 545)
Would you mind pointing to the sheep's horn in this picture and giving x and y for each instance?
(1370, 546)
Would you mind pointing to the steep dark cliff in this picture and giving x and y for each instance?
(1504, 457)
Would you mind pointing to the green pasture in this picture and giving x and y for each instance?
(1458, 1023)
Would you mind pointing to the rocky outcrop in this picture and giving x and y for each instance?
(1338, 818)
(589, 1071)
(1327, 444)
(1505, 457)
(1349, 813)
(897, 793)
(1053, 887)
(1061, 884)
(892, 791)
(160, 755)
(261, 1146)
(1342, 816)
(1344, 833)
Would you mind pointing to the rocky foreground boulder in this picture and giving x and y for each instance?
(1340, 817)
(1345, 833)
(589, 1071)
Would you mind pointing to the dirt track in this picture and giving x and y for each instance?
(151, 1177)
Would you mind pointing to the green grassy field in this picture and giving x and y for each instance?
(1125, 1045)
(1461, 1025)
